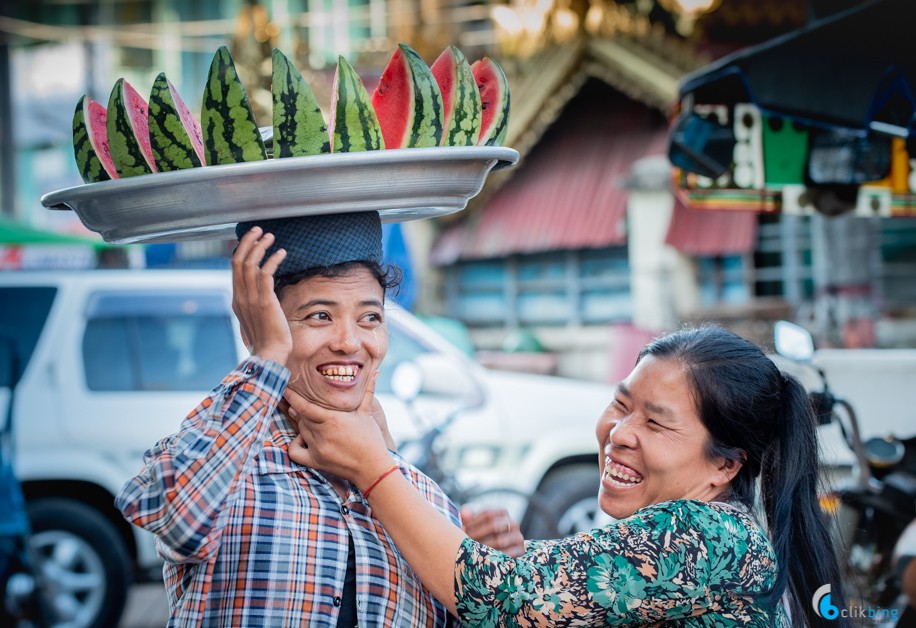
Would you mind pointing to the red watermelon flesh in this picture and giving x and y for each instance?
(92, 121)
(407, 102)
(98, 136)
(444, 71)
(391, 99)
(138, 111)
(494, 98)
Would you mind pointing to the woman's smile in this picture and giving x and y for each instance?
(617, 475)
(342, 375)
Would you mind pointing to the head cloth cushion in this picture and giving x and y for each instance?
(323, 240)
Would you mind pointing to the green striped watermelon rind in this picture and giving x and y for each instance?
(127, 127)
(351, 108)
(90, 142)
(230, 132)
(460, 98)
(298, 124)
(407, 102)
(175, 135)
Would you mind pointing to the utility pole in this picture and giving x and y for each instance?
(7, 147)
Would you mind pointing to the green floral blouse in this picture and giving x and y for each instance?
(678, 563)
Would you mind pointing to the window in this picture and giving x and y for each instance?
(337, 27)
(898, 256)
(560, 288)
(477, 292)
(154, 341)
(604, 275)
(22, 319)
(401, 347)
(782, 258)
(722, 280)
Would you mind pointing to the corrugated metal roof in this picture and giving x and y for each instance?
(566, 194)
(709, 232)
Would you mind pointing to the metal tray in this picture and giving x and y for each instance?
(206, 203)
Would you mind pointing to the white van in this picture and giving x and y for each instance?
(111, 361)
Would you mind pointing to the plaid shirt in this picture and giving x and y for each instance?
(251, 538)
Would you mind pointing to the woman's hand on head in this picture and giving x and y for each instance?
(348, 444)
(265, 329)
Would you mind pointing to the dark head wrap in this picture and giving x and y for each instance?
(323, 240)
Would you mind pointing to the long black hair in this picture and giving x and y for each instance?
(763, 417)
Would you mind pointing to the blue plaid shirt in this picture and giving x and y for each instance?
(251, 538)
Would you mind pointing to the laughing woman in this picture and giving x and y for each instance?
(701, 417)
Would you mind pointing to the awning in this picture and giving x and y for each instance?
(566, 194)
(16, 233)
(849, 69)
(710, 233)
(823, 118)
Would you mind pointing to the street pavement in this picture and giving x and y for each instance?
(146, 607)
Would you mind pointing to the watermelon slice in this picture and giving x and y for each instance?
(352, 124)
(299, 126)
(460, 98)
(127, 125)
(494, 98)
(90, 142)
(408, 102)
(175, 134)
(230, 131)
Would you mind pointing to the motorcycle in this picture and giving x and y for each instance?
(876, 502)
(425, 452)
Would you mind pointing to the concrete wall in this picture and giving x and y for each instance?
(663, 281)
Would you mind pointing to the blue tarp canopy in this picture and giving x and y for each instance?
(853, 69)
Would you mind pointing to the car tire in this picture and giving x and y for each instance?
(571, 493)
(85, 567)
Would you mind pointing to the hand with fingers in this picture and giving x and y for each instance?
(265, 329)
(494, 527)
(348, 444)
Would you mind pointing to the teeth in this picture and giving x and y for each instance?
(615, 473)
(340, 373)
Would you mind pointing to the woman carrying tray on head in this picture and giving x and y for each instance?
(702, 415)
(250, 537)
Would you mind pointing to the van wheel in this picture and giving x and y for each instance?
(571, 493)
(84, 564)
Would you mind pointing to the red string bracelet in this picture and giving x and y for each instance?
(384, 475)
